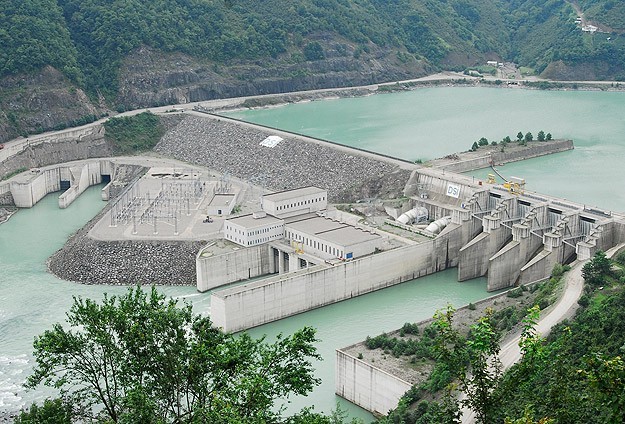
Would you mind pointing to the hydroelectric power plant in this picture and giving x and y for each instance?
(510, 235)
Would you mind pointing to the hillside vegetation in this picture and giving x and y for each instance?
(126, 54)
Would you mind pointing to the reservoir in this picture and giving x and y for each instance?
(421, 124)
(433, 122)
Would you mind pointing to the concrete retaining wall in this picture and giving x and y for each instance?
(88, 175)
(534, 149)
(41, 151)
(281, 296)
(367, 386)
(218, 270)
(26, 194)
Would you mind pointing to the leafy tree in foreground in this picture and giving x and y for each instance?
(139, 358)
(475, 361)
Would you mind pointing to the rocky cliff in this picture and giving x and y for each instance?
(149, 77)
(41, 101)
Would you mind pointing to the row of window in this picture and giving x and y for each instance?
(302, 203)
(315, 244)
(262, 240)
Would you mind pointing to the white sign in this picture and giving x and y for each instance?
(453, 190)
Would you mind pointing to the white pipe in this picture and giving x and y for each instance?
(412, 214)
(436, 226)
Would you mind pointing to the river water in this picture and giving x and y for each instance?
(423, 124)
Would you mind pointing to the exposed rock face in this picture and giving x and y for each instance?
(40, 101)
(150, 77)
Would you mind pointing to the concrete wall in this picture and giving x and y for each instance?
(534, 149)
(44, 150)
(26, 194)
(367, 386)
(218, 270)
(88, 175)
(474, 256)
(504, 268)
(277, 297)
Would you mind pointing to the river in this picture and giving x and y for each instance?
(424, 124)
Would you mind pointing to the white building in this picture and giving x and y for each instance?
(292, 215)
(221, 204)
(284, 204)
(253, 229)
(329, 239)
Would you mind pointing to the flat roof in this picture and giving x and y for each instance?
(315, 225)
(291, 194)
(347, 236)
(248, 221)
(332, 231)
(221, 200)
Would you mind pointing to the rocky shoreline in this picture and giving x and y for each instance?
(125, 262)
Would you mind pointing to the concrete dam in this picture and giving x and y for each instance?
(512, 237)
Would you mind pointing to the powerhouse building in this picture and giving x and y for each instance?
(295, 217)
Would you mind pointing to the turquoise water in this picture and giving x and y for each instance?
(433, 122)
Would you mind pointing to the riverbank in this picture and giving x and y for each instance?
(6, 212)
(443, 79)
(386, 366)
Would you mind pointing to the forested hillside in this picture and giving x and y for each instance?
(121, 54)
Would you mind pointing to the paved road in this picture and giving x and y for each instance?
(564, 308)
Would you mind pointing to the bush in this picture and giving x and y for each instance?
(514, 293)
(133, 134)
(52, 411)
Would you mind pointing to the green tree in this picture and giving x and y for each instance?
(595, 270)
(606, 376)
(541, 135)
(474, 362)
(506, 139)
(132, 134)
(528, 136)
(139, 358)
(53, 411)
(519, 136)
(548, 136)
(483, 141)
(475, 146)
(313, 51)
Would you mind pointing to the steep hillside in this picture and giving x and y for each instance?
(134, 53)
(546, 36)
